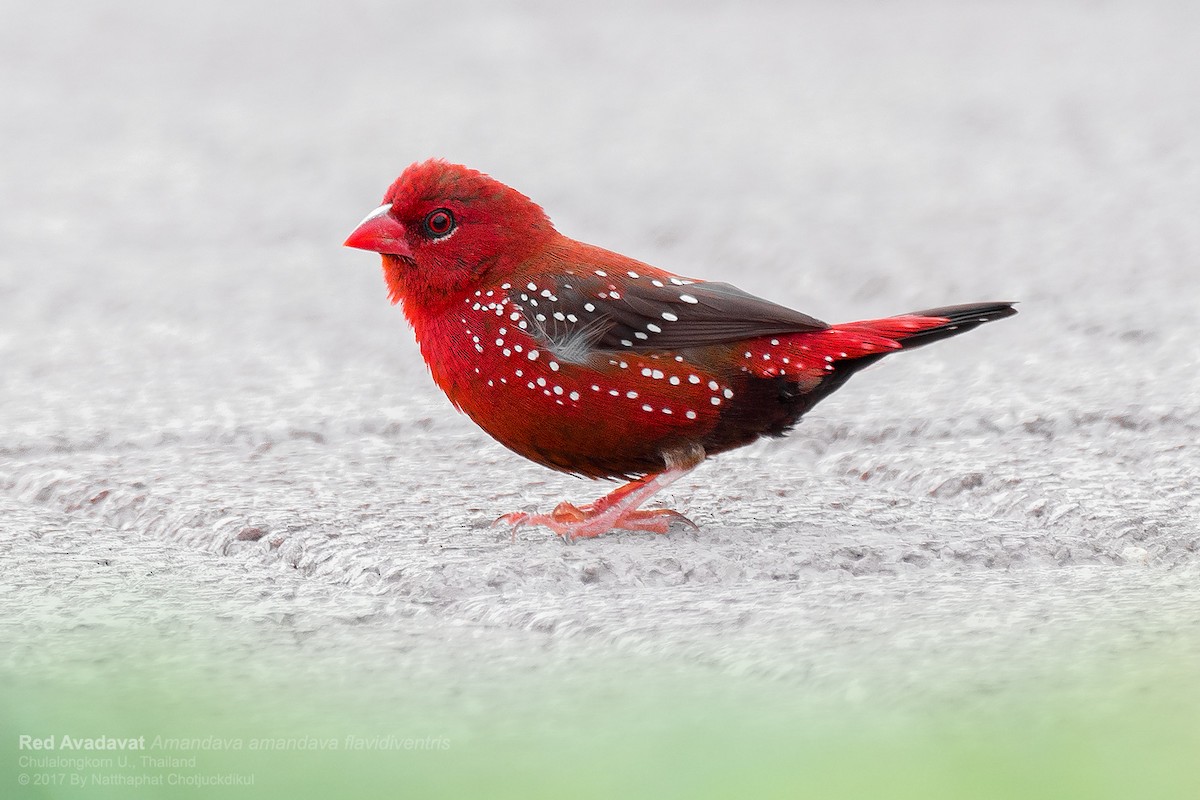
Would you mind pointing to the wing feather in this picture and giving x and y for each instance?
(651, 312)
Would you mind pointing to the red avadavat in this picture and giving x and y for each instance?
(590, 362)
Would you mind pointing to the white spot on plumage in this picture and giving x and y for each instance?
(693, 378)
(588, 307)
(626, 343)
(650, 326)
(574, 395)
(658, 374)
(632, 395)
(554, 366)
(602, 273)
(533, 355)
(714, 385)
(531, 286)
(690, 415)
(728, 394)
(632, 274)
(647, 408)
(687, 298)
(667, 411)
(640, 335)
(657, 283)
(541, 381)
(674, 380)
(716, 401)
(558, 390)
(669, 317)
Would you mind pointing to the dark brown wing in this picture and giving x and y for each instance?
(649, 313)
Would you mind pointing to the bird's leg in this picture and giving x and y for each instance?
(617, 509)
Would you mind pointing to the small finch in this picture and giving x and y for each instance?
(589, 362)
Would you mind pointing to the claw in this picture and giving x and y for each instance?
(514, 518)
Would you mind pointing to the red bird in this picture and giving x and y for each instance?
(592, 363)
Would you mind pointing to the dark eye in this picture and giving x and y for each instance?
(439, 223)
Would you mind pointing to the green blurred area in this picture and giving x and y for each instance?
(623, 728)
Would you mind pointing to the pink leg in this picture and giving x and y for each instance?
(617, 509)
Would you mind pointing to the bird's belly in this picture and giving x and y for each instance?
(615, 414)
(608, 414)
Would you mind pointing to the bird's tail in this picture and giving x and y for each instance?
(813, 364)
(932, 325)
(819, 362)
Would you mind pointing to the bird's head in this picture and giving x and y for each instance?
(444, 229)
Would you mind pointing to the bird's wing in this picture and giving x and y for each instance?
(655, 312)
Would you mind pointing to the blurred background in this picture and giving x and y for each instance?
(233, 504)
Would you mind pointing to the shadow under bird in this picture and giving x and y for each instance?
(592, 363)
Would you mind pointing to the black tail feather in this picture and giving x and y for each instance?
(960, 319)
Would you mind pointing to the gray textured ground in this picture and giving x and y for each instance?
(213, 427)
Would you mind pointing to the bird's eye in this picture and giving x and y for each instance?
(439, 223)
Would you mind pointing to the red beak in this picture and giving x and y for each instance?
(380, 232)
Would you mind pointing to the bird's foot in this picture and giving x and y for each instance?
(592, 519)
(617, 509)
